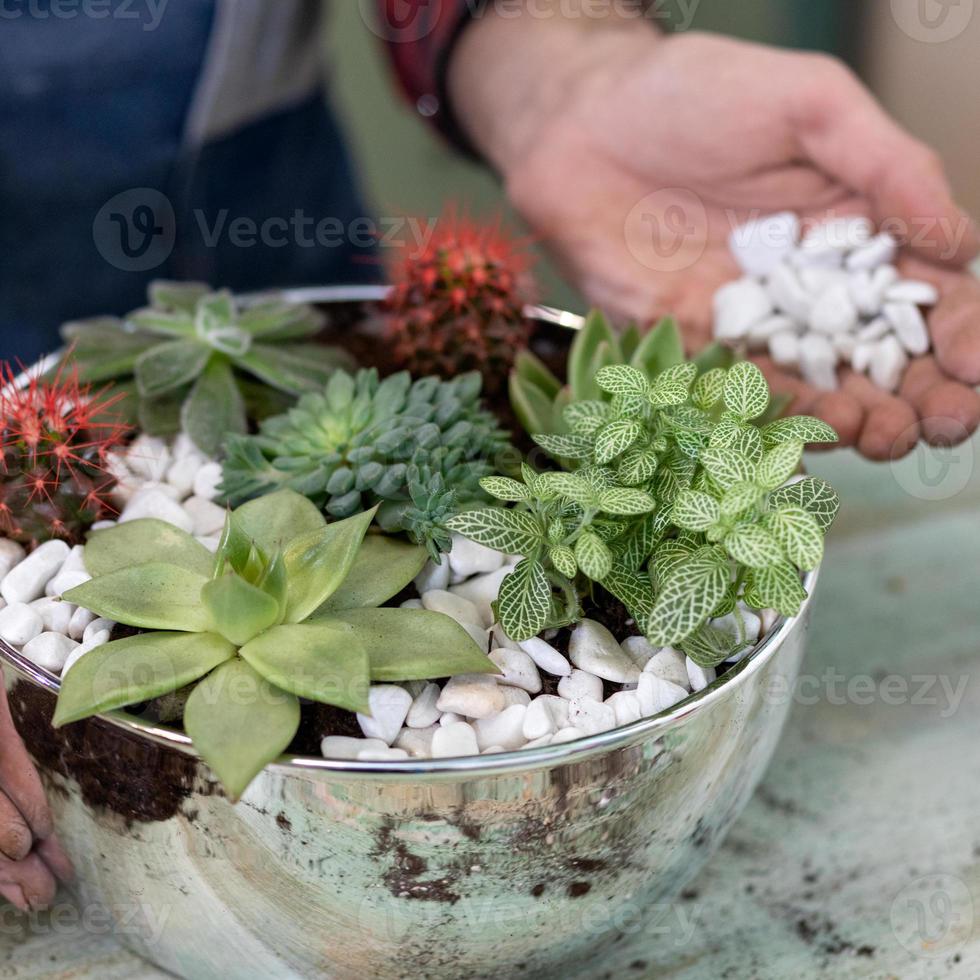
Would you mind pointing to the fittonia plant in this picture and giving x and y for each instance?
(286, 609)
(196, 355)
(673, 498)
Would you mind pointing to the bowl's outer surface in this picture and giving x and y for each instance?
(531, 864)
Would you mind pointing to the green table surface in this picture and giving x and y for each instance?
(859, 856)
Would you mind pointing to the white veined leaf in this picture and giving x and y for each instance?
(621, 379)
(668, 556)
(504, 488)
(597, 477)
(524, 601)
(564, 560)
(556, 531)
(799, 535)
(779, 464)
(512, 532)
(709, 646)
(633, 552)
(633, 589)
(688, 597)
(688, 419)
(615, 438)
(753, 546)
(571, 486)
(709, 388)
(776, 587)
(746, 392)
(695, 511)
(607, 529)
(585, 417)
(628, 406)
(636, 466)
(798, 428)
(564, 446)
(593, 556)
(671, 387)
(529, 475)
(747, 441)
(815, 496)
(726, 467)
(626, 501)
(692, 444)
(738, 499)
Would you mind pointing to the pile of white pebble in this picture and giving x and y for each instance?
(468, 715)
(829, 297)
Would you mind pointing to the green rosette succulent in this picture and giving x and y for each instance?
(415, 449)
(203, 362)
(286, 609)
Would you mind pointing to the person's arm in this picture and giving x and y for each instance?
(603, 131)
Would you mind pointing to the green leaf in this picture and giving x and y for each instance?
(726, 467)
(620, 379)
(779, 464)
(713, 355)
(593, 556)
(382, 568)
(636, 466)
(504, 488)
(532, 369)
(142, 541)
(815, 496)
(661, 348)
(671, 387)
(746, 392)
(738, 499)
(325, 661)
(799, 534)
(669, 556)
(512, 532)
(688, 597)
(524, 601)
(710, 646)
(695, 511)
(318, 561)
(585, 418)
(571, 486)
(634, 550)
(277, 519)
(776, 587)
(238, 609)
(753, 546)
(626, 502)
(564, 446)
(170, 365)
(582, 356)
(531, 405)
(798, 428)
(277, 319)
(137, 669)
(709, 388)
(293, 369)
(162, 323)
(154, 596)
(615, 438)
(161, 416)
(564, 561)
(214, 409)
(182, 296)
(415, 644)
(633, 589)
(239, 723)
(101, 349)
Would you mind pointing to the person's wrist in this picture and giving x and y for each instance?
(510, 75)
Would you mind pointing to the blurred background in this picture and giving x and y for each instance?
(930, 87)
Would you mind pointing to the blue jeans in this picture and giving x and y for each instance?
(98, 194)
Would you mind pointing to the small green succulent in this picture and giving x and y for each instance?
(196, 355)
(415, 448)
(673, 498)
(286, 609)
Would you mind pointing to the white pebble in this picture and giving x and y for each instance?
(461, 610)
(472, 695)
(11, 553)
(482, 590)
(788, 293)
(97, 626)
(411, 604)
(83, 648)
(514, 695)
(864, 295)
(700, 677)
(389, 705)
(760, 335)
(881, 250)
(506, 728)
(545, 715)
(450, 718)
(670, 665)
(149, 457)
(536, 743)
(593, 648)
(591, 716)
(638, 649)
(784, 349)
(879, 327)
(833, 311)
(207, 481)
(19, 623)
(183, 471)
(888, 364)
(454, 740)
(468, 558)
(501, 639)
(626, 706)
(207, 517)
(212, 543)
(760, 245)
(55, 614)
(655, 694)
(50, 651)
(433, 576)
(909, 325)
(517, 669)
(417, 742)
(862, 356)
(913, 291)
(480, 637)
(25, 582)
(345, 747)
(738, 306)
(818, 362)
(423, 713)
(155, 503)
(80, 619)
(838, 234)
(569, 734)
(844, 345)
(65, 580)
(546, 657)
(580, 684)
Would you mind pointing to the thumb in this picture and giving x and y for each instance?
(847, 134)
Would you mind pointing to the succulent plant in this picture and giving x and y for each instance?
(458, 304)
(55, 435)
(415, 448)
(188, 351)
(673, 498)
(286, 609)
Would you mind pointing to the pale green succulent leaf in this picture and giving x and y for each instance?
(531, 368)
(170, 365)
(277, 519)
(141, 541)
(239, 610)
(214, 409)
(382, 568)
(531, 405)
(595, 334)
(661, 348)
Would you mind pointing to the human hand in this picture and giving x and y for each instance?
(689, 136)
(31, 858)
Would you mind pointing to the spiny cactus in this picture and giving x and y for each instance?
(54, 438)
(458, 304)
(417, 448)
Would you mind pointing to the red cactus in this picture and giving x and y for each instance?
(458, 303)
(54, 437)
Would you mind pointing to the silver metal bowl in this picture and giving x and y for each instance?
(539, 863)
